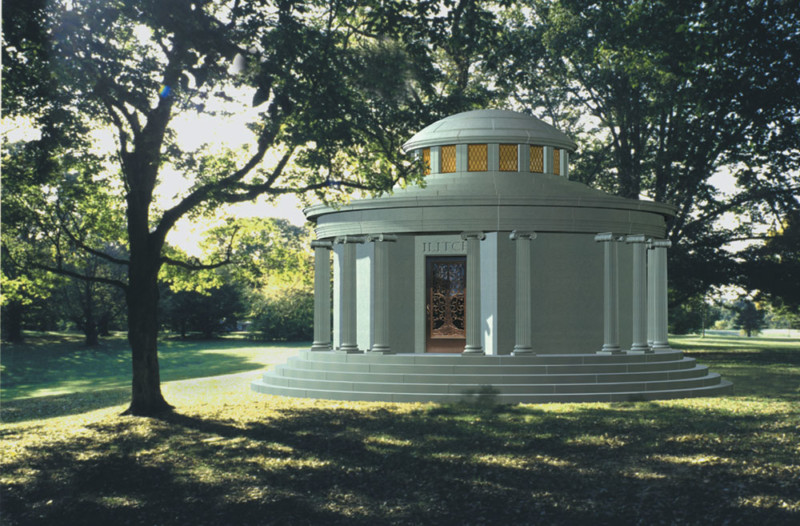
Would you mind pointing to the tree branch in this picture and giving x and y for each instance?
(199, 195)
(83, 246)
(743, 198)
(199, 266)
(194, 266)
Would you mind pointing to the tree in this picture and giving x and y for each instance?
(662, 96)
(271, 263)
(749, 318)
(773, 269)
(90, 304)
(284, 312)
(210, 312)
(327, 123)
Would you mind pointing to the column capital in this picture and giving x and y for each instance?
(480, 236)
(660, 243)
(608, 236)
(520, 234)
(636, 238)
(391, 238)
(347, 240)
(319, 243)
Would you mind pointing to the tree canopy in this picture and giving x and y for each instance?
(324, 122)
(665, 99)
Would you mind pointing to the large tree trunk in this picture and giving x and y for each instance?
(90, 332)
(12, 322)
(104, 324)
(141, 170)
(142, 296)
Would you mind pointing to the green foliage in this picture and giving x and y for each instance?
(284, 312)
(131, 67)
(692, 316)
(215, 310)
(774, 268)
(268, 281)
(749, 318)
(661, 96)
(784, 317)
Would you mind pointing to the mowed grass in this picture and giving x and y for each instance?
(759, 367)
(229, 456)
(58, 363)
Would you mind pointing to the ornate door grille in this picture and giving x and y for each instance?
(447, 286)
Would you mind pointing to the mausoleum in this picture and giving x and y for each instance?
(498, 275)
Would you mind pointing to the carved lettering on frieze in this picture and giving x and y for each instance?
(444, 247)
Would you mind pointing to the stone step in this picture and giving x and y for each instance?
(298, 362)
(490, 376)
(449, 359)
(719, 388)
(508, 379)
(510, 386)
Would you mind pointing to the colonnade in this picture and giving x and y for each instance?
(649, 291)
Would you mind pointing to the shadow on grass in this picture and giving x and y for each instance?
(624, 463)
(27, 409)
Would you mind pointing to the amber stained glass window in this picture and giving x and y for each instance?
(426, 160)
(449, 159)
(508, 157)
(478, 158)
(537, 159)
(556, 161)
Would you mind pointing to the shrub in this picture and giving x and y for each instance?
(284, 313)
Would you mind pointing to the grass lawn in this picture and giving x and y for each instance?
(58, 363)
(229, 456)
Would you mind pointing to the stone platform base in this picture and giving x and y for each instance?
(449, 378)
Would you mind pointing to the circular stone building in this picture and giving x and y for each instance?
(499, 277)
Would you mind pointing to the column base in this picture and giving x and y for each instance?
(610, 349)
(473, 350)
(349, 349)
(381, 349)
(523, 351)
(321, 346)
(640, 348)
(661, 346)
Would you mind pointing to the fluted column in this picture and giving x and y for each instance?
(660, 316)
(380, 275)
(524, 304)
(473, 240)
(610, 293)
(322, 295)
(639, 285)
(651, 322)
(347, 280)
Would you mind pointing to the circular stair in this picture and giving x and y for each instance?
(450, 378)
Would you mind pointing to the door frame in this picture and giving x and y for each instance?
(442, 344)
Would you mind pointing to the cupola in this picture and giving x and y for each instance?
(492, 141)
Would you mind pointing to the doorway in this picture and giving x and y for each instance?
(445, 307)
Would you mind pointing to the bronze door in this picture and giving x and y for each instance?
(446, 285)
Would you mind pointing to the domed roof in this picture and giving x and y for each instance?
(490, 126)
